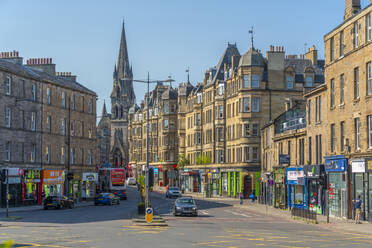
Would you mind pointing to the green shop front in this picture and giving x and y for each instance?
(230, 184)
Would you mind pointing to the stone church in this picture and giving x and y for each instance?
(122, 98)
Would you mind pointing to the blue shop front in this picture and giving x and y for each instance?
(336, 169)
(297, 190)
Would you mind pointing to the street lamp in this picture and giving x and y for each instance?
(148, 82)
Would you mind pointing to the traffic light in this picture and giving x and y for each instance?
(151, 177)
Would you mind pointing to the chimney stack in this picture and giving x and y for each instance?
(42, 64)
(352, 7)
(12, 57)
(312, 55)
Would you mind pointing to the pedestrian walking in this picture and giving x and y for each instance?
(358, 203)
(241, 198)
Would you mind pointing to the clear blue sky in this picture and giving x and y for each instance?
(164, 36)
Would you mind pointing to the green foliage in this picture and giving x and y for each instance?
(203, 159)
(182, 161)
(7, 244)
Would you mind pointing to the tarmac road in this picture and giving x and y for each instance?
(219, 224)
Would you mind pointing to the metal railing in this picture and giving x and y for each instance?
(304, 214)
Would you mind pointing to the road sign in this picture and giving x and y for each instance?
(149, 213)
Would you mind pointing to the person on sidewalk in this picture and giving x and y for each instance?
(253, 196)
(358, 209)
(241, 198)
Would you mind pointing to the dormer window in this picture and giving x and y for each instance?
(289, 82)
(309, 81)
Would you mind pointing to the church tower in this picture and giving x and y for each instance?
(122, 98)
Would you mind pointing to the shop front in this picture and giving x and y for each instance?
(362, 185)
(75, 185)
(316, 187)
(279, 188)
(336, 169)
(267, 189)
(191, 180)
(14, 187)
(214, 176)
(53, 182)
(89, 185)
(297, 190)
(31, 187)
(231, 182)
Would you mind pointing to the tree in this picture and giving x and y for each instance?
(182, 162)
(203, 159)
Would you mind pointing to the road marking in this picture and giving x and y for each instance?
(238, 214)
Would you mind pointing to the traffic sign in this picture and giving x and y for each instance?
(149, 214)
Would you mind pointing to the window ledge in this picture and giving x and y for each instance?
(332, 107)
(368, 96)
(318, 123)
(356, 100)
(341, 105)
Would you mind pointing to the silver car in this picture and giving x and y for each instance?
(185, 206)
(173, 192)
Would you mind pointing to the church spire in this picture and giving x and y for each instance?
(104, 111)
(123, 60)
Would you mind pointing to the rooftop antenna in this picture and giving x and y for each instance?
(251, 31)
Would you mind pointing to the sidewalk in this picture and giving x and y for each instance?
(40, 207)
(335, 223)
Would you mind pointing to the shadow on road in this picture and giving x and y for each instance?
(86, 214)
(166, 205)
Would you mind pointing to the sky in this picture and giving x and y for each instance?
(164, 37)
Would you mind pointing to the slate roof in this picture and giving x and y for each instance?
(300, 65)
(252, 58)
(225, 59)
(25, 71)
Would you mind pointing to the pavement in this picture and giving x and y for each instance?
(221, 224)
(345, 225)
(40, 207)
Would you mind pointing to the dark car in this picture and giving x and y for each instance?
(173, 192)
(122, 194)
(185, 206)
(58, 202)
(106, 199)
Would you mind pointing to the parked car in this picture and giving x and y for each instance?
(131, 181)
(58, 202)
(172, 192)
(185, 206)
(122, 194)
(106, 199)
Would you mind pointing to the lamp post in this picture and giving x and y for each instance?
(148, 82)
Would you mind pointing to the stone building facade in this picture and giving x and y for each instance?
(224, 115)
(61, 150)
(348, 135)
(162, 141)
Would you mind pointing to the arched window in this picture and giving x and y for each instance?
(116, 112)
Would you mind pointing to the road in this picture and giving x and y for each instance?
(219, 224)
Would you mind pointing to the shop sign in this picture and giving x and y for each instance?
(293, 175)
(335, 165)
(358, 166)
(92, 177)
(369, 164)
(15, 172)
(13, 180)
(156, 170)
(53, 176)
